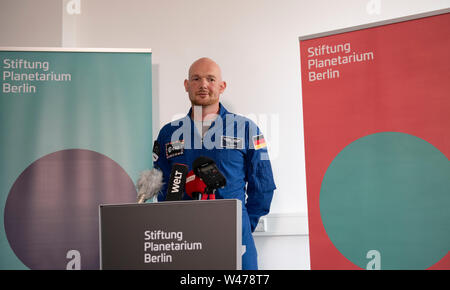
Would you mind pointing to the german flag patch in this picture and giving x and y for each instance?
(259, 142)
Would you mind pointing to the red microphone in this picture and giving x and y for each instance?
(195, 187)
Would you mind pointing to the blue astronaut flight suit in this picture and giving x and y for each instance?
(238, 148)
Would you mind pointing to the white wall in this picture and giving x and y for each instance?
(30, 22)
(256, 44)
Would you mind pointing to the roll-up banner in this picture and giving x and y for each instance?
(76, 130)
(376, 107)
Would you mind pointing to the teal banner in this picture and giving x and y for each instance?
(76, 130)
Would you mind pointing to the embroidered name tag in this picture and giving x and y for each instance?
(232, 142)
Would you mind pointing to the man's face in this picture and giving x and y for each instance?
(205, 84)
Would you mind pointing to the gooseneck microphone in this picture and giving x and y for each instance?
(206, 169)
(177, 182)
(149, 184)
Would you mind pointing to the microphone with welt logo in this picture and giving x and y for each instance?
(177, 181)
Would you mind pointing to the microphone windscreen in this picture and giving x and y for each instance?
(194, 186)
(149, 184)
(177, 182)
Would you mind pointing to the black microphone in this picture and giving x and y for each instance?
(207, 170)
(177, 182)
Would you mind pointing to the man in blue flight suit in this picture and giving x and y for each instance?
(234, 142)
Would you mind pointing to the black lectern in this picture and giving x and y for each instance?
(178, 235)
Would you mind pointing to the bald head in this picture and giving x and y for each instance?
(204, 84)
(202, 63)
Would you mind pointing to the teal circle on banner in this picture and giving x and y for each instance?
(388, 193)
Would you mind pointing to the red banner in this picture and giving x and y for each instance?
(376, 107)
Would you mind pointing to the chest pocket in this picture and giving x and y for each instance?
(230, 159)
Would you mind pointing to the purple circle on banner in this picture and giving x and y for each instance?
(51, 214)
